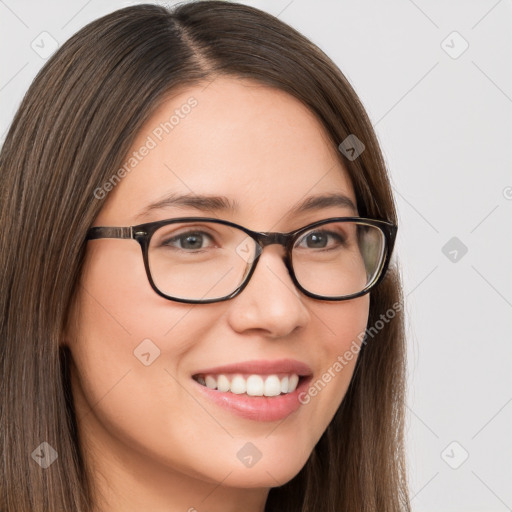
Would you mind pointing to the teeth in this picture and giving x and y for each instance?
(210, 382)
(272, 386)
(238, 385)
(222, 383)
(284, 384)
(253, 385)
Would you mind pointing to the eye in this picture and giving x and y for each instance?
(319, 239)
(190, 240)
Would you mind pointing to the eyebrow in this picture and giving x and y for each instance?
(206, 203)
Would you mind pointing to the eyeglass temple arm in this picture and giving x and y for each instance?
(109, 232)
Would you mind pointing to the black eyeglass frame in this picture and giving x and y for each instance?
(142, 233)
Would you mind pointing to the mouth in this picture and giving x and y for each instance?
(255, 390)
(252, 384)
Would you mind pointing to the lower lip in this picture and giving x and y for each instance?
(257, 408)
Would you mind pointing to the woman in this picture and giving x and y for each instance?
(158, 351)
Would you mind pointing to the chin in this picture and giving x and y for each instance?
(266, 476)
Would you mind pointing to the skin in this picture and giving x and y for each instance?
(151, 441)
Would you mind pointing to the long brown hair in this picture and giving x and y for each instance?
(74, 127)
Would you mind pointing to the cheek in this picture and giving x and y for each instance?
(342, 326)
(118, 307)
(347, 322)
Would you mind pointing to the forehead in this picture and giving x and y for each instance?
(254, 144)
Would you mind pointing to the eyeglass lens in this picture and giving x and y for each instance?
(206, 260)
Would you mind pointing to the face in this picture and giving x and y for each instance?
(135, 353)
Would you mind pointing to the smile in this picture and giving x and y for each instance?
(255, 390)
(252, 385)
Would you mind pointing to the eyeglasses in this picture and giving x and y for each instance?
(199, 260)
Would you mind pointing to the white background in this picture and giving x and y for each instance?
(445, 127)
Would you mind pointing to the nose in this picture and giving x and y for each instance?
(270, 302)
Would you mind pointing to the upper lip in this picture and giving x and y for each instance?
(262, 367)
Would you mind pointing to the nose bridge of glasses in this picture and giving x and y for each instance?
(265, 239)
